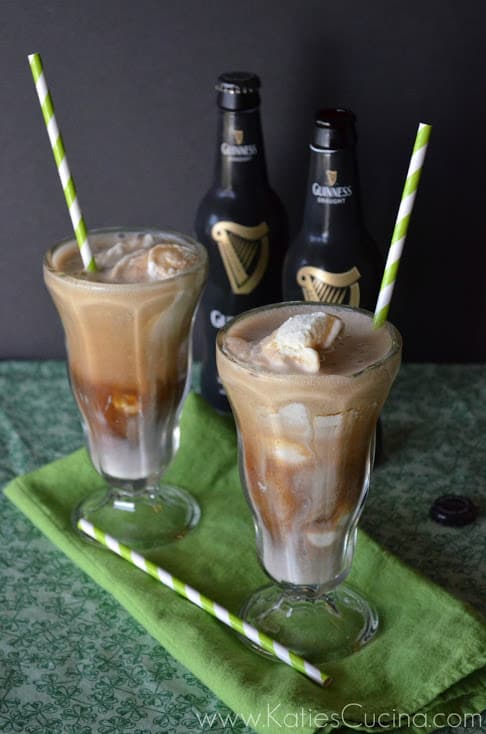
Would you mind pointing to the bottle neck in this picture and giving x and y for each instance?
(333, 204)
(240, 156)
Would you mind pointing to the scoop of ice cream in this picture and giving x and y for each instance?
(150, 262)
(301, 341)
(168, 259)
(124, 246)
(298, 344)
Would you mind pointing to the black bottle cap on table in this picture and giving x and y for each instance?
(453, 510)
(238, 90)
(334, 129)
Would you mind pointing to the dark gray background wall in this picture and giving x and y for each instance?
(132, 84)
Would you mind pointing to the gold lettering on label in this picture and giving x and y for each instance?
(244, 251)
(321, 285)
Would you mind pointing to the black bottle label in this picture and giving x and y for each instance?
(244, 252)
(318, 284)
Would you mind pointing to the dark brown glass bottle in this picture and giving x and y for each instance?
(333, 258)
(241, 221)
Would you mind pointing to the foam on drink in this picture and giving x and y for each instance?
(128, 258)
(306, 383)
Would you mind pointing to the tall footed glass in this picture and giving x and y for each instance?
(306, 444)
(128, 334)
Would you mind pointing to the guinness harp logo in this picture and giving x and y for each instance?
(244, 251)
(238, 136)
(321, 285)
(331, 177)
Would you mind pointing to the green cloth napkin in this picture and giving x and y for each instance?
(428, 658)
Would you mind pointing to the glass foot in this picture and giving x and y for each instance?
(318, 626)
(143, 521)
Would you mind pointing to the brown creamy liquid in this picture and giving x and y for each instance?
(306, 438)
(128, 343)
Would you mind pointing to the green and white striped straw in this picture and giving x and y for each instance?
(57, 146)
(401, 224)
(214, 609)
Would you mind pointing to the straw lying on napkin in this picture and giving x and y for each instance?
(430, 654)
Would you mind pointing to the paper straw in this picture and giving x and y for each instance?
(214, 609)
(401, 224)
(59, 152)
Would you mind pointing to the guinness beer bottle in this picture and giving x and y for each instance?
(241, 221)
(333, 259)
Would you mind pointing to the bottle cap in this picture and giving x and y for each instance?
(238, 90)
(453, 510)
(334, 129)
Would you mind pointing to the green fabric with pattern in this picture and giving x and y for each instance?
(429, 655)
